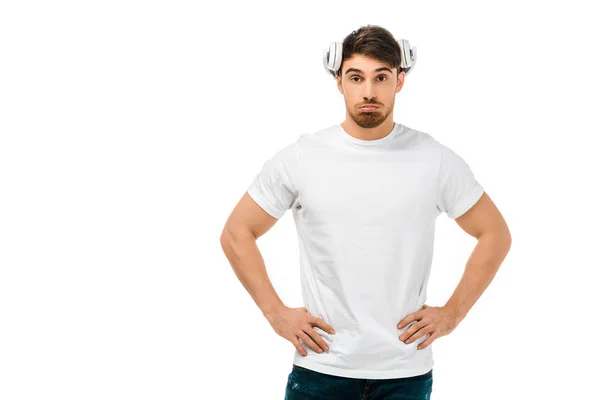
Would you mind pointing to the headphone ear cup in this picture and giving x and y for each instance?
(337, 61)
(408, 56)
(326, 62)
(332, 58)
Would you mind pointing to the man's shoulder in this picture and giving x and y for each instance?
(423, 136)
(420, 140)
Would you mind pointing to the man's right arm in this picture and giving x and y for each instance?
(247, 222)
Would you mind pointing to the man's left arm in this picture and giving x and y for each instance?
(484, 222)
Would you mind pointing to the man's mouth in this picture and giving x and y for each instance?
(369, 108)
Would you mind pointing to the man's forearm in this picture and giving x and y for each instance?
(482, 265)
(244, 256)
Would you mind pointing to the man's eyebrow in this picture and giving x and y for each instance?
(360, 72)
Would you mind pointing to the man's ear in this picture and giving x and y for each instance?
(338, 81)
(400, 82)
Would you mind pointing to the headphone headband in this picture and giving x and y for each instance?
(332, 58)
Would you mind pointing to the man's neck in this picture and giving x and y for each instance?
(368, 133)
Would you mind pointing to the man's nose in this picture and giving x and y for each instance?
(370, 100)
(368, 91)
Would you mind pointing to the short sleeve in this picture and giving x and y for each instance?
(458, 190)
(274, 186)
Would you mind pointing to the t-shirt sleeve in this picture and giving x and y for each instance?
(458, 190)
(274, 187)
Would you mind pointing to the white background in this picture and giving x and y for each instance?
(130, 130)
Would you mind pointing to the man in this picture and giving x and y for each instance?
(365, 195)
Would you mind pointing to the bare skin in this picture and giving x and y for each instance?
(297, 323)
(433, 321)
(484, 222)
(248, 222)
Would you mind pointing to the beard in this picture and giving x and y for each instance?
(370, 119)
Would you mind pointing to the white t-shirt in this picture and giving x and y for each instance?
(365, 213)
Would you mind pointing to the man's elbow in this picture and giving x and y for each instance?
(502, 238)
(223, 239)
(234, 234)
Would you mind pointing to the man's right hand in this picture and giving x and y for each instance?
(297, 323)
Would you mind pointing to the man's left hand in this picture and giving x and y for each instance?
(435, 321)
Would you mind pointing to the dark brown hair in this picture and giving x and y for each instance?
(372, 41)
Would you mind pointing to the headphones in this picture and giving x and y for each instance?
(332, 58)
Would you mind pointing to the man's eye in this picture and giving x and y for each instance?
(352, 78)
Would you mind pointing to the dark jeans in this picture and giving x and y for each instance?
(306, 384)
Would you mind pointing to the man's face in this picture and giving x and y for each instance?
(367, 81)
